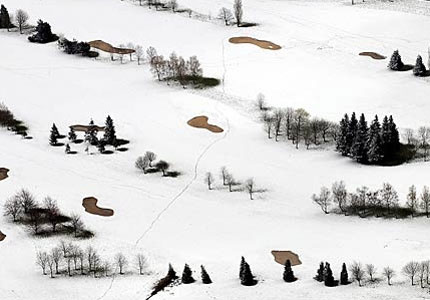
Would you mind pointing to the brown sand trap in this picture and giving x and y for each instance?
(282, 256)
(3, 173)
(90, 204)
(101, 45)
(373, 55)
(249, 40)
(2, 236)
(202, 122)
(86, 128)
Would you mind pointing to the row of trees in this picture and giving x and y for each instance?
(70, 259)
(147, 164)
(229, 181)
(365, 202)
(419, 69)
(374, 144)
(295, 125)
(8, 121)
(43, 219)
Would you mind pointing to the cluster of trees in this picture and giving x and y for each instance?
(75, 47)
(365, 202)
(7, 21)
(295, 125)
(418, 141)
(227, 16)
(69, 259)
(147, 164)
(229, 181)
(247, 278)
(419, 69)
(376, 144)
(43, 34)
(8, 121)
(43, 219)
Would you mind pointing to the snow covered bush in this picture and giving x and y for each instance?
(419, 68)
(44, 34)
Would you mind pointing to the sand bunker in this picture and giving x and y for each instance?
(90, 204)
(2, 236)
(282, 256)
(260, 43)
(101, 45)
(373, 55)
(202, 122)
(3, 173)
(86, 128)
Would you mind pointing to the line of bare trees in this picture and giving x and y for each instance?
(296, 125)
(69, 259)
(365, 202)
(148, 164)
(43, 219)
(420, 140)
(228, 180)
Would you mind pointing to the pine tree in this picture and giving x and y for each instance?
(205, 276)
(247, 278)
(419, 68)
(91, 122)
(171, 273)
(351, 133)
(320, 273)
(91, 137)
(359, 148)
(288, 272)
(43, 34)
(342, 139)
(374, 142)
(394, 141)
(242, 267)
(412, 199)
(53, 138)
(344, 275)
(329, 279)
(72, 135)
(54, 129)
(396, 63)
(187, 275)
(109, 135)
(385, 135)
(5, 18)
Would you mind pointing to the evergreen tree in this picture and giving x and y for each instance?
(329, 279)
(396, 63)
(43, 34)
(5, 18)
(101, 146)
(171, 273)
(54, 129)
(205, 276)
(351, 133)
(109, 135)
(91, 137)
(72, 135)
(320, 273)
(341, 142)
(359, 148)
(394, 141)
(187, 275)
(91, 122)
(247, 278)
(288, 272)
(374, 142)
(53, 138)
(242, 267)
(344, 275)
(67, 149)
(419, 68)
(385, 135)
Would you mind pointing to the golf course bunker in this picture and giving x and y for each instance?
(86, 128)
(3, 173)
(90, 204)
(202, 122)
(106, 47)
(373, 55)
(2, 236)
(282, 256)
(249, 40)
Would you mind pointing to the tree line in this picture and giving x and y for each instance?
(43, 219)
(364, 202)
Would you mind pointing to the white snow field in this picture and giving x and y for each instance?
(178, 220)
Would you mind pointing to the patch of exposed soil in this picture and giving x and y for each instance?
(86, 128)
(260, 43)
(101, 45)
(3, 173)
(282, 256)
(202, 122)
(373, 55)
(2, 236)
(90, 205)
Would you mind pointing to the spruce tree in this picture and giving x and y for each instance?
(320, 273)
(187, 275)
(359, 148)
(329, 279)
(54, 129)
(374, 142)
(171, 273)
(344, 275)
(351, 133)
(43, 34)
(242, 267)
(109, 135)
(288, 272)
(419, 68)
(396, 63)
(385, 135)
(205, 276)
(343, 133)
(5, 18)
(91, 137)
(53, 137)
(247, 278)
(394, 141)
(72, 135)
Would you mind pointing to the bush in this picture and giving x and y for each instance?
(44, 34)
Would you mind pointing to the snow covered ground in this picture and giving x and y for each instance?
(318, 69)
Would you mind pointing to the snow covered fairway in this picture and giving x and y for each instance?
(176, 219)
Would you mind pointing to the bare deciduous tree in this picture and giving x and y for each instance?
(51, 265)
(27, 200)
(389, 274)
(225, 15)
(57, 256)
(21, 19)
(277, 122)
(209, 180)
(250, 185)
(230, 181)
(52, 211)
(224, 175)
(339, 194)
(412, 199)
(323, 199)
(139, 53)
(142, 163)
(389, 196)
(150, 156)
(141, 263)
(13, 208)
(425, 200)
(42, 260)
(261, 102)
(357, 272)
(300, 117)
(76, 223)
(121, 262)
(238, 11)
(424, 136)
(410, 270)
(268, 123)
(371, 271)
